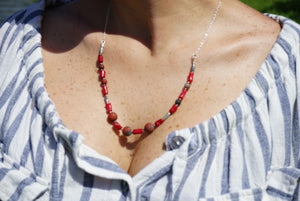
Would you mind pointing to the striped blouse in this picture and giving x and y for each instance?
(249, 151)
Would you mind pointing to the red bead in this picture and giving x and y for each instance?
(100, 58)
(191, 77)
(117, 125)
(104, 90)
(149, 127)
(101, 66)
(174, 108)
(112, 117)
(103, 81)
(183, 93)
(102, 74)
(138, 131)
(127, 131)
(159, 122)
(108, 107)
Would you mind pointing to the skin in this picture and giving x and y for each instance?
(147, 58)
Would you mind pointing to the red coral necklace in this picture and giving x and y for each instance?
(149, 127)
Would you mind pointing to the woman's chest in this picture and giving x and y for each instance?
(139, 93)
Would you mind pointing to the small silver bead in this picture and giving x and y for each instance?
(193, 67)
(102, 47)
(106, 99)
(187, 85)
(167, 116)
(101, 50)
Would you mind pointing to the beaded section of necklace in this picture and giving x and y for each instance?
(149, 127)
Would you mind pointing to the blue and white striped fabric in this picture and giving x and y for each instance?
(249, 151)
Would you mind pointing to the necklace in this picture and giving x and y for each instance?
(149, 127)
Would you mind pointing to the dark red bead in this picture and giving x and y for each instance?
(127, 131)
(112, 117)
(108, 107)
(101, 66)
(174, 108)
(183, 93)
(117, 125)
(102, 74)
(159, 122)
(178, 101)
(103, 81)
(191, 77)
(100, 58)
(138, 131)
(149, 127)
(104, 90)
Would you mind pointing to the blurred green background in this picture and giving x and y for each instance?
(288, 8)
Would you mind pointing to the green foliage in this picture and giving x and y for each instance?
(288, 8)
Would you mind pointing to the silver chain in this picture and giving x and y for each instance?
(194, 56)
(105, 28)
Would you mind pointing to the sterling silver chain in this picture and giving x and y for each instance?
(195, 54)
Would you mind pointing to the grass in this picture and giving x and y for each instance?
(288, 8)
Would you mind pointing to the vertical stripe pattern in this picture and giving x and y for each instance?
(249, 151)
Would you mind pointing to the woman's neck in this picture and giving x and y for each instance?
(158, 24)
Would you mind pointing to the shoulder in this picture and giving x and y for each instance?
(286, 50)
(289, 35)
(24, 25)
(258, 35)
(18, 24)
(19, 38)
(261, 29)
